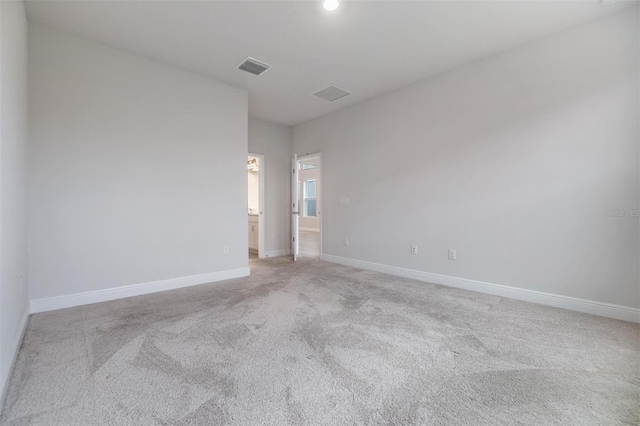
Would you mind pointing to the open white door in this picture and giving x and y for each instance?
(295, 212)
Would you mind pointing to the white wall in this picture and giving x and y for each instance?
(137, 169)
(513, 161)
(274, 142)
(305, 222)
(13, 183)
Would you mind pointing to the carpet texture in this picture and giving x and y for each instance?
(317, 343)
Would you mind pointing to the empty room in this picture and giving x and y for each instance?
(320, 212)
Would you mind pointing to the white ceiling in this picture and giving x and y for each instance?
(365, 47)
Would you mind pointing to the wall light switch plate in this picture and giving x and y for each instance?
(344, 200)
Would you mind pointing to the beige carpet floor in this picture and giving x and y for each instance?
(314, 343)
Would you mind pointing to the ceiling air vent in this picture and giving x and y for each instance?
(253, 66)
(331, 93)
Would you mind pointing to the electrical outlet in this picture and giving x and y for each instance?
(452, 254)
(345, 241)
(226, 250)
(414, 249)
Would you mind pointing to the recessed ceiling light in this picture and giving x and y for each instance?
(330, 4)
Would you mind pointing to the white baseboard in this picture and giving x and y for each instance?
(608, 310)
(276, 253)
(60, 302)
(309, 229)
(15, 347)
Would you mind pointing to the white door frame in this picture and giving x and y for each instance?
(295, 208)
(261, 221)
(319, 190)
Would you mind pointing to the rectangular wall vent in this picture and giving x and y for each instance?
(253, 66)
(331, 93)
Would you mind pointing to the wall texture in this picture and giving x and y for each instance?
(13, 183)
(137, 169)
(521, 162)
(274, 142)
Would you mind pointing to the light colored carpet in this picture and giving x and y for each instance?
(317, 343)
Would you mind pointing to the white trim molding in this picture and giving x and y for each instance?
(85, 298)
(624, 313)
(276, 253)
(15, 347)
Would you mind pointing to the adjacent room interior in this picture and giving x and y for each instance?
(309, 188)
(255, 195)
(320, 212)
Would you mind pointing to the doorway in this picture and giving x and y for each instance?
(307, 218)
(255, 205)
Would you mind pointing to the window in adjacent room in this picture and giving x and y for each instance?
(309, 191)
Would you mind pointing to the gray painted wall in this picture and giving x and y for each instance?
(514, 161)
(274, 142)
(13, 182)
(137, 169)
